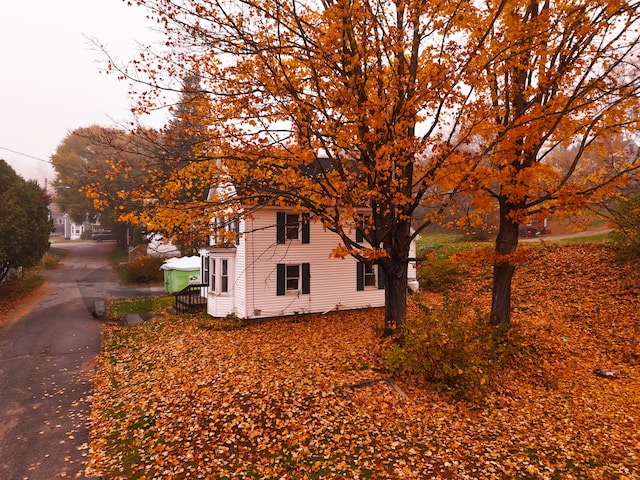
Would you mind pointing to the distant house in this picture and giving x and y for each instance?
(280, 265)
(73, 230)
(58, 219)
(157, 246)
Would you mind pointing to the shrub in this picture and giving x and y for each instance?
(86, 235)
(144, 269)
(626, 220)
(228, 323)
(455, 355)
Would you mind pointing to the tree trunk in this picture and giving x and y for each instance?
(503, 268)
(395, 266)
(395, 297)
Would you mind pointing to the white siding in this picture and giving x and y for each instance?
(239, 279)
(332, 284)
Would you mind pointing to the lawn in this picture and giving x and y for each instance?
(312, 397)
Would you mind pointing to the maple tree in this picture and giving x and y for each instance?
(334, 108)
(364, 113)
(553, 75)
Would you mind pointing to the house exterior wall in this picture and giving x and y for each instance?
(332, 281)
(256, 261)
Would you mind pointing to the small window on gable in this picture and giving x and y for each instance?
(363, 226)
(226, 231)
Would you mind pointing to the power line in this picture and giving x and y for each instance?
(25, 155)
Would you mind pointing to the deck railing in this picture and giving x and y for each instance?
(190, 299)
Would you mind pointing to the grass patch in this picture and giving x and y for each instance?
(118, 307)
(17, 289)
(597, 238)
(439, 275)
(53, 258)
(118, 256)
(437, 271)
(442, 245)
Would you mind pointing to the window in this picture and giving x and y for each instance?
(369, 276)
(221, 276)
(226, 231)
(224, 275)
(292, 227)
(363, 225)
(293, 278)
(205, 269)
(212, 283)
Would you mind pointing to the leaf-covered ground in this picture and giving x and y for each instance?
(309, 397)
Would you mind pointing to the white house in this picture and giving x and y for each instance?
(73, 230)
(280, 265)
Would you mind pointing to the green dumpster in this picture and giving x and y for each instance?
(180, 272)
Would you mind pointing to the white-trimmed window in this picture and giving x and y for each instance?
(224, 275)
(291, 227)
(369, 276)
(226, 232)
(212, 282)
(221, 272)
(293, 278)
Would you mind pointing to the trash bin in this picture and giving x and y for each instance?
(180, 272)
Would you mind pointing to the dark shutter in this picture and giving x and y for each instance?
(281, 281)
(306, 278)
(280, 227)
(380, 278)
(360, 276)
(236, 229)
(305, 228)
(359, 235)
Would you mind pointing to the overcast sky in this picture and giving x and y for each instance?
(50, 74)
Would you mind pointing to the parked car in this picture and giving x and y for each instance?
(103, 235)
(528, 231)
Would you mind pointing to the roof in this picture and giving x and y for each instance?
(184, 264)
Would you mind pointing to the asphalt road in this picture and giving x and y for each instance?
(46, 360)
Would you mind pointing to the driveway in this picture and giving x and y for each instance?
(46, 360)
